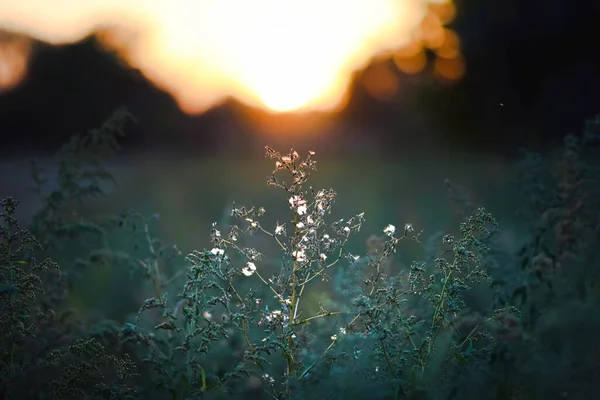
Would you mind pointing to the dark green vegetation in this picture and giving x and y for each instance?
(283, 306)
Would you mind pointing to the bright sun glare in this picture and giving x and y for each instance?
(282, 55)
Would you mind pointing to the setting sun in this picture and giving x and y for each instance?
(281, 55)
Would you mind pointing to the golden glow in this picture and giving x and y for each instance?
(281, 55)
(13, 60)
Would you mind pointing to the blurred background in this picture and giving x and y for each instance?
(394, 96)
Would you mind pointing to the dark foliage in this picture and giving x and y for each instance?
(471, 319)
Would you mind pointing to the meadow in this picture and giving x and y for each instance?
(428, 295)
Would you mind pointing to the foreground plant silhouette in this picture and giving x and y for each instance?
(39, 357)
(276, 345)
(239, 320)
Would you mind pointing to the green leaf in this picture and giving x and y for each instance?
(469, 348)
(203, 377)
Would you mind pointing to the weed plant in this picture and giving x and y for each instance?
(471, 319)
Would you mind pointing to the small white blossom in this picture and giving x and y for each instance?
(268, 378)
(408, 227)
(343, 330)
(207, 315)
(326, 236)
(390, 230)
(273, 314)
(249, 269)
(299, 255)
(296, 201)
(300, 225)
(346, 229)
(216, 251)
(322, 256)
(333, 337)
(299, 204)
(279, 229)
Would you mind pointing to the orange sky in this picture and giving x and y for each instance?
(281, 55)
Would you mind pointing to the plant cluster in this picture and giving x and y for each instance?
(471, 319)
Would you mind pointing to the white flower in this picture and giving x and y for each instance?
(294, 200)
(343, 330)
(299, 255)
(216, 251)
(300, 225)
(268, 378)
(207, 315)
(346, 229)
(299, 204)
(333, 337)
(273, 314)
(408, 227)
(322, 256)
(279, 229)
(249, 269)
(309, 220)
(320, 206)
(390, 230)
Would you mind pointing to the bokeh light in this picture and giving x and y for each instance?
(279, 55)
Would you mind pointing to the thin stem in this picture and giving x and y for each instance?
(436, 314)
(293, 304)
(468, 336)
(309, 319)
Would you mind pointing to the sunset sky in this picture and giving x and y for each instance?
(279, 54)
(460, 72)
